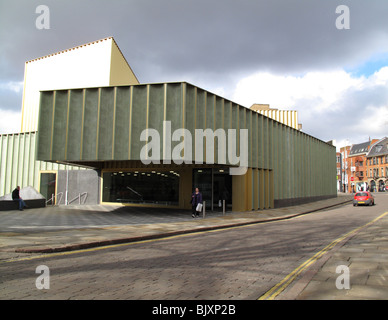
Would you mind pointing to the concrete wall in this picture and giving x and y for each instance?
(79, 182)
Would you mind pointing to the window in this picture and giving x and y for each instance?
(361, 194)
(378, 148)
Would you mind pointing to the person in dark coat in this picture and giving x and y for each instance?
(196, 198)
(16, 197)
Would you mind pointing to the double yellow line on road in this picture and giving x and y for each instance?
(282, 285)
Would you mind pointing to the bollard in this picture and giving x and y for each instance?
(204, 209)
(223, 207)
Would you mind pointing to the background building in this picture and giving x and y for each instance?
(345, 168)
(357, 166)
(288, 117)
(377, 165)
(339, 172)
(365, 166)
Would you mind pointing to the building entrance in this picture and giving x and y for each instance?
(381, 186)
(48, 184)
(215, 184)
(372, 186)
(153, 187)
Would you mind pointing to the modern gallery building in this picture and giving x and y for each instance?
(152, 144)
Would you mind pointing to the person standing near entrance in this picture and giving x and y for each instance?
(16, 197)
(196, 198)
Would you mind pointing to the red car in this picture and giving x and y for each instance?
(363, 197)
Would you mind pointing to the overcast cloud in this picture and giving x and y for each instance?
(286, 53)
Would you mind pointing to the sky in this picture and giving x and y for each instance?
(327, 59)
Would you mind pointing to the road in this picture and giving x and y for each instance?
(236, 263)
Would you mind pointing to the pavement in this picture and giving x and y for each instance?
(65, 228)
(355, 269)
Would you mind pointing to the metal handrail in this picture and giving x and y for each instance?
(79, 198)
(52, 199)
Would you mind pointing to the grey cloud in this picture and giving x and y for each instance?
(216, 37)
(10, 100)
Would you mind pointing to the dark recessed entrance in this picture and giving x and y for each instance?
(141, 187)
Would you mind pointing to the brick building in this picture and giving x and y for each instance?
(377, 165)
(354, 166)
(357, 166)
(344, 168)
(364, 166)
(339, 171)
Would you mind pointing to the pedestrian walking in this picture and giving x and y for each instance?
(196, 199)
(16, 197)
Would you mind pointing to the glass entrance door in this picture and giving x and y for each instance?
(215, 185)
(222, 189)
(202, 179)
(47, 184)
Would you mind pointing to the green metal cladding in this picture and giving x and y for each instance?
(18, 165)
(104, 124)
